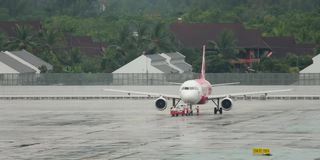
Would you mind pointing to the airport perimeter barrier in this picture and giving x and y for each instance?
(156, 79)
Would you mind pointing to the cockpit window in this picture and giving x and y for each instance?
(189, 88)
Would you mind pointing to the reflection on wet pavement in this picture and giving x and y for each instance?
(134, 129)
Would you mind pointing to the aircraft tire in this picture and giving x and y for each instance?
(220, 110)
(215, 110)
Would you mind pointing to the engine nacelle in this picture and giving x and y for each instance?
(226, 104)
(161, 103)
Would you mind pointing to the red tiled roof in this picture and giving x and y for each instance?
(86, 45)
(195, 35)
(282, 46)
(9, 27)
(251, 38)
(280, 41)
(198, 34)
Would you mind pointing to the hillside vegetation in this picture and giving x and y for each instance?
(131, 28)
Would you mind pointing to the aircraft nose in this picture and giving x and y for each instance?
(190, 97)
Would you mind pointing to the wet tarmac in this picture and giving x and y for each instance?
(134, 129)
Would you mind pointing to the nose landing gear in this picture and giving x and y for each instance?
(216, 110)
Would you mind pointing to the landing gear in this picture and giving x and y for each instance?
(174, 104)
(183, 110)
(216, 110)
(191, 110)
(198, 110)
(217, 107)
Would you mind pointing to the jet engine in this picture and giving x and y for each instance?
(161, 103)
(226, 104)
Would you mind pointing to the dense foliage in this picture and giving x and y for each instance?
(131, 28)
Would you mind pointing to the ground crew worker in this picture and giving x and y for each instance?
(171, 111)
(197, 110)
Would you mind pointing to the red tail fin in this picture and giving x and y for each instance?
(203, 67)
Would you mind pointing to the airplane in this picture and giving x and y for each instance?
(197, 92)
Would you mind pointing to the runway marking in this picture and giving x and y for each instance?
(26, 145)
(127, 155)
(95, 132)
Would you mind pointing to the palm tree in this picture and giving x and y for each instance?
(141, 36)
(24, 39)
(49, 44)
(227, 45)
(134, 40)
(223, 51)
(160, 40)
(48, 39)
(119, 51)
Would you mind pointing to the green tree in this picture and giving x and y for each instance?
(15, 8)
(226, 45)
(50, 39)
(218, 64)
(304, 61)
(71, 61)
(270, 65)
(160, 40)
(43, 69)
(110, 61)
(49, 47)
(137, 39)
(4, 14)
(2, 41)
(24, 39)
(221, 53)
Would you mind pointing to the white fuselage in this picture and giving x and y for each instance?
(195, 91)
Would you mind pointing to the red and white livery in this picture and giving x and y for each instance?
(196, 92)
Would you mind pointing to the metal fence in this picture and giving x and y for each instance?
(156, 79)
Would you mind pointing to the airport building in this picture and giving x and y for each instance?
(157, 63)
(147, 69)
(314, 67)
(251, 44)
(14, 62)
(311, 74)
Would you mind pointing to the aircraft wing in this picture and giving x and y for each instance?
(246, 93)
(148, 94)
(224, 84)
(174, 83)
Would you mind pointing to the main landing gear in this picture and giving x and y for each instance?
(217, 108)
